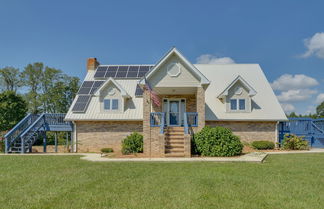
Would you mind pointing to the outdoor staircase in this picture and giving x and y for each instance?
(174, 142)
(21, 138)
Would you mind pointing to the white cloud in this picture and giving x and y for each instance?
(298, 81)
(288, 107)
(320, 98)
(315, 46)
(211, 59)
(296, 95)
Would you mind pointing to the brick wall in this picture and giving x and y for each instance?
(92, 136)
(249, 131)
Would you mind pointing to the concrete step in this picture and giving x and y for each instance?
(174, 155)
(174, 146)
(174, 150)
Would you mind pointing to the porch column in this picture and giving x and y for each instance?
(146, 123)
(200, 97)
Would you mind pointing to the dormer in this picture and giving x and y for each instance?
(112, 97)
(238, 96)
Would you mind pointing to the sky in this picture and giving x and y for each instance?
(285, 37)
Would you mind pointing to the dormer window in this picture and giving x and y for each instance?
(238, 96)
(237, 104)
(110, 104)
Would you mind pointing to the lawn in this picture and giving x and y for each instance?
(283, 181)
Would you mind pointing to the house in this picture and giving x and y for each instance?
(169, 101)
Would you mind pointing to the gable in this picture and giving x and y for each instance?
(173, 73)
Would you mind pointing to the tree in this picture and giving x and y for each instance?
(12, 109)
(32, 76)
(320, 110)
(10, 78)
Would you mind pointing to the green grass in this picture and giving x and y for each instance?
(283, 181)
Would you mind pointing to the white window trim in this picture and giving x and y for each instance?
(237, 110)
(110, 107)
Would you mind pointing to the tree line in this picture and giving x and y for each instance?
(36, 89)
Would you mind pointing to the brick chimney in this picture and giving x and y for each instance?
(92, 64)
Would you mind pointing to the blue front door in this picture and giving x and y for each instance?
(174, 113)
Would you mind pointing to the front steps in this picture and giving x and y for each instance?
(174, 142)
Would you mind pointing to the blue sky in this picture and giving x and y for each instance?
(284, 37)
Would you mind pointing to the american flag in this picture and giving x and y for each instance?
(153, 95)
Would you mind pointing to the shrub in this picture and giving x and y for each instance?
(132, 144)
(107, 150)
(218, 141)
(293, 142)
(2, 145)
(263, 145)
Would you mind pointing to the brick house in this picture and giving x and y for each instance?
(169, 101)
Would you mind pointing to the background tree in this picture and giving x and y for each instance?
(320, 110)
(32, 76)
(10, 79)
(12, 109)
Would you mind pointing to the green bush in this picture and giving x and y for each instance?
(107, 150)
(2, 145)
(218, 141)
(263, 145)
(293, 142)
(132, 144)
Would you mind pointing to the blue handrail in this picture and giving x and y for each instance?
(157, 119)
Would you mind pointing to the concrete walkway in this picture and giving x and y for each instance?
(257, 157)
(314, 150)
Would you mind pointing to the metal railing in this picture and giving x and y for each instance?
(157, 119)
(190, 119)
(32, 123)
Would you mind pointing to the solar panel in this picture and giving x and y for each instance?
(138, 91)
(122, 72)
(132, 72)
(81, 103)
(111, 72)
(86, 87)
(95, 86)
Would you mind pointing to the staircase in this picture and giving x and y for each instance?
(174, 142)
(21, 138)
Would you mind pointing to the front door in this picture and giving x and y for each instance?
(174, 112)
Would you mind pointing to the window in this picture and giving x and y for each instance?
(242, 104)
(110, 104)
(114, 104)
(233, 104)
(107, 104)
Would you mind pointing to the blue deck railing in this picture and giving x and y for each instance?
(33, 123)
(311, 129)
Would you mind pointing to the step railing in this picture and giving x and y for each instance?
(32, 130)
(18, 129)
(190, 119)
(157, 119)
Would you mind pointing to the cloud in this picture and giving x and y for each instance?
(288, 107)
(296, 95)
(320, 98)
(315, 46)
(311, 109)
(211, 59)
(298, 81)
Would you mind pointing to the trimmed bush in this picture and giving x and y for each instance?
(2, 145)
(293, 142)
(132, 144)
(217, 142)
(107, 150)
(263, 145)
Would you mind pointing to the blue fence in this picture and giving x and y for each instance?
(311, 129)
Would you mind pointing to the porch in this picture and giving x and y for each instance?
(170, 125)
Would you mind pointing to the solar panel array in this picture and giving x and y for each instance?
(122, 71)
(81, 103)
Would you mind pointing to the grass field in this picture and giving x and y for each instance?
(283, 181)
